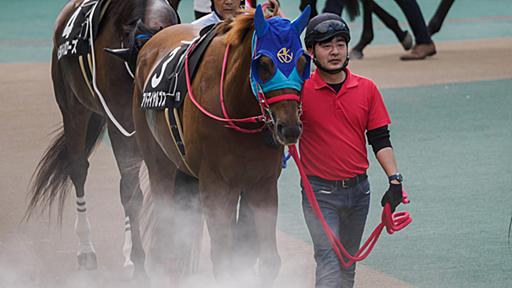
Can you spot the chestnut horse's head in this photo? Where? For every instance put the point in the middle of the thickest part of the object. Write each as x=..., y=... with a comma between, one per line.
x=279, y=67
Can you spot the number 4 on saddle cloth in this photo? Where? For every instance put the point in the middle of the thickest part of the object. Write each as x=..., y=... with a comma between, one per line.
x=166, y=86
x=78, y=35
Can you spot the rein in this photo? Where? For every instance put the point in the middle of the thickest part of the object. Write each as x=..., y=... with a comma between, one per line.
x=265, y=117
x=393, y=222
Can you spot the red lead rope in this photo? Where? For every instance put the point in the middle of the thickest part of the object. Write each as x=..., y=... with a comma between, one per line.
x=393, y=222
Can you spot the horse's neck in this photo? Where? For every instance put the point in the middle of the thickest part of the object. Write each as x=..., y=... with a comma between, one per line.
x=237, y=90
x=158, y=14
x=146, y=10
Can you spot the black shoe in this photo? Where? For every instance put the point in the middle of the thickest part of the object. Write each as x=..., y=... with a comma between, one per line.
x=406, y=41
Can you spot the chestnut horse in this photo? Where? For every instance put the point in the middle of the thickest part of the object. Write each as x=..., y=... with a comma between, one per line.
x=85, y=117
x=225, y=162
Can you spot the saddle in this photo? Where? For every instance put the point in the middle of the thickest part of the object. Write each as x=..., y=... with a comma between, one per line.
x=166, y=85
x=75, y=41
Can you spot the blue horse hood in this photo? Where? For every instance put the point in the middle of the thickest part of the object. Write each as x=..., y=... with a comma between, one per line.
x=281, y=43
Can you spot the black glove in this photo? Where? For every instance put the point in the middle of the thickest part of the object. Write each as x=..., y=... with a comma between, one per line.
x=393, y=196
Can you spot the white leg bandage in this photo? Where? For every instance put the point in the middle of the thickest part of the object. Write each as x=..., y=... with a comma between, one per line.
x=127, y=247
x=83, y=227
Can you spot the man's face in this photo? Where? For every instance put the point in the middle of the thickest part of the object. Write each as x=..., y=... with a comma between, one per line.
x=227, y=8
x=331, y=54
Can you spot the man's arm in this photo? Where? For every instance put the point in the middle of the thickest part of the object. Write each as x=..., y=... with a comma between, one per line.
x=380, y=141
x=381, y=144
x=387, y=161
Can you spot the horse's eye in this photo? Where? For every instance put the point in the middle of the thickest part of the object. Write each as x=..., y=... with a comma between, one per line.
x=265, y=68
x=301, y=64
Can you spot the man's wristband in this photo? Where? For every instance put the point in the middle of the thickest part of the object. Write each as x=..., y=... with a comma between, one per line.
x=397, y=176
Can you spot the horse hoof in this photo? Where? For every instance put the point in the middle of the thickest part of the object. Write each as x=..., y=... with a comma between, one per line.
x=87, y=261
x=356, y=54
x=140, y=277
x=128, y=269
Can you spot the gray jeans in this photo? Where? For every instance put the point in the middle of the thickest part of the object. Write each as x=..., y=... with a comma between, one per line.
x=345, y=211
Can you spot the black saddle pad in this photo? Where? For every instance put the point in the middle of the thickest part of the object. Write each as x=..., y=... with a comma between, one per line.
x=166, y=86
x=76, y=34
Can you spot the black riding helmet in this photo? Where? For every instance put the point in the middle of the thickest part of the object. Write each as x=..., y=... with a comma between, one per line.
x=325, y=26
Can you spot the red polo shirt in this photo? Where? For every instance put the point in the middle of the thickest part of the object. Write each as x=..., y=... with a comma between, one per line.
x=333, y=142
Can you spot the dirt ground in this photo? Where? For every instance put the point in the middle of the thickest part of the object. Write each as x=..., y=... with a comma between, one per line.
x=40, y=254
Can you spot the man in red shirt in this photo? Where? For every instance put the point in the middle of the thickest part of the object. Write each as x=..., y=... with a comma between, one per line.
x=339, y=108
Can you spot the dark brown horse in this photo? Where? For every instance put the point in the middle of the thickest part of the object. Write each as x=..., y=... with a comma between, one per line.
x=85, y=117
x=226, y=163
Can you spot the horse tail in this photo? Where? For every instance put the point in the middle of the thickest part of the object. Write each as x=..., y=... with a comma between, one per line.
x=50, y=181
x=352, y=8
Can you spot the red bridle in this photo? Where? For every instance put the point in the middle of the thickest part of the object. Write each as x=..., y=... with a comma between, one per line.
x=265, y=117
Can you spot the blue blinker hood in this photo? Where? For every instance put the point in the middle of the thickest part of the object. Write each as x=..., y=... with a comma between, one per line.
x=279, y=40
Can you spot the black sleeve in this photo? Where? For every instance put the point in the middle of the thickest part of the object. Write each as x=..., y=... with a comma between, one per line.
x=379, y=138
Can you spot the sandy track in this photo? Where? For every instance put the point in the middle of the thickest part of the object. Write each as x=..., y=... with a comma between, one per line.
x=37, y=253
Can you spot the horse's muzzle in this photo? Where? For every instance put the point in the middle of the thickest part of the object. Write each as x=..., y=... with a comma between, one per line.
x=288, y=134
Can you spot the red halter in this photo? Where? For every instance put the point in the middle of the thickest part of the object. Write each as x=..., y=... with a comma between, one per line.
x=264, y=103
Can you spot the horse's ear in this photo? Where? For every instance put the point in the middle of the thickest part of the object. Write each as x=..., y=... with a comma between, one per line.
x=260, y=24
x=301, y=22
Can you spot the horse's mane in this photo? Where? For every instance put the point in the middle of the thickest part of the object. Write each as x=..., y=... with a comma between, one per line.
x=242, y=25
x=237, y=28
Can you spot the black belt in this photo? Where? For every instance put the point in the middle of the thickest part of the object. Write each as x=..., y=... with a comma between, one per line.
x=345, y=183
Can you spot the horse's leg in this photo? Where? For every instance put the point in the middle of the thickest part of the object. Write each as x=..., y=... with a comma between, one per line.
x=81, y=129
x=367, y=34
x=245, y=237
x=163, y=255
x=434, y=25
x=129, y=162
x=189, y=220
x=404, y=37
x=262, y=200
x=162, y=250
x=219, y=203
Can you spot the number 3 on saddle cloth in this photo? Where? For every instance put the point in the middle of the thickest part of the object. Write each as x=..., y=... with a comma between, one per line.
x=166, y=86
x=78, y=35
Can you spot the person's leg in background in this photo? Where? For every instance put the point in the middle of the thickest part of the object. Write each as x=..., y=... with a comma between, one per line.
x=370, y=7
x=435, y=23
x=424, y=45
x=312, y=4
x=333, y=6
x=367, y=34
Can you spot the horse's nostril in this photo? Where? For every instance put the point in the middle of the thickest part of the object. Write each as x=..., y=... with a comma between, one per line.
x=279, y=127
